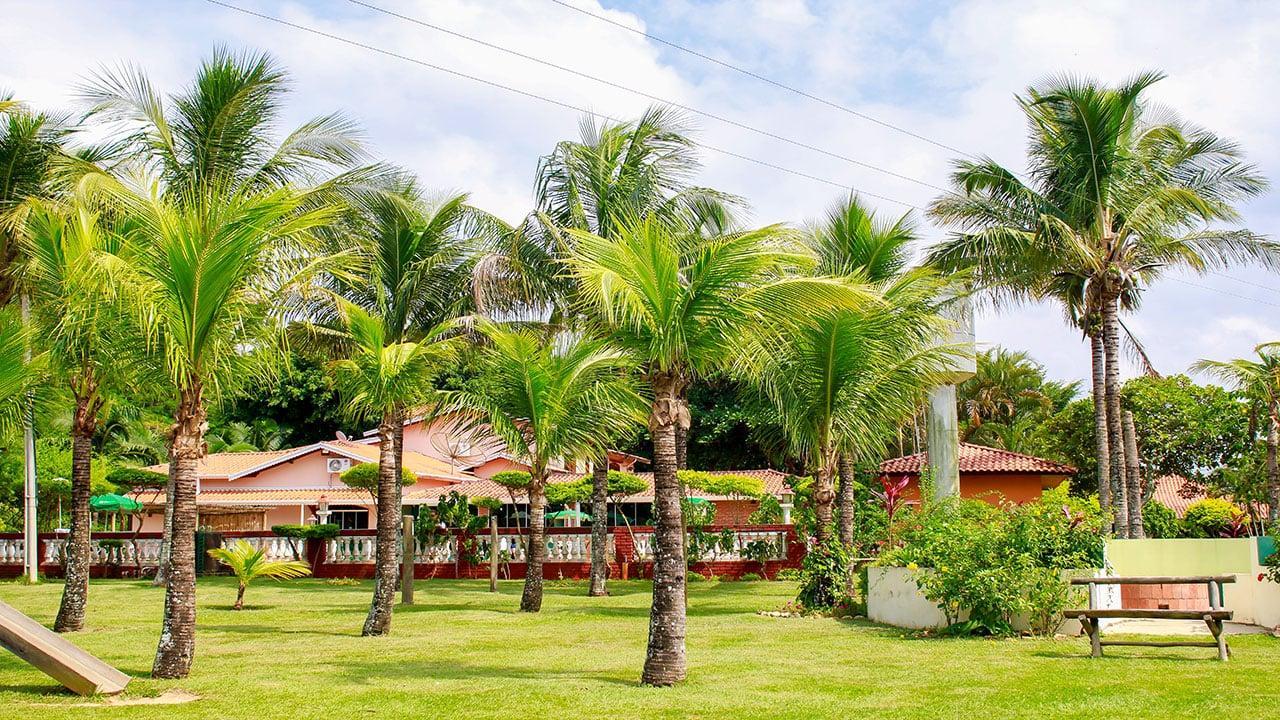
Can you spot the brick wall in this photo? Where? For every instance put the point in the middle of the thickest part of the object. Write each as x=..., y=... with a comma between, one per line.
x=1169, y=597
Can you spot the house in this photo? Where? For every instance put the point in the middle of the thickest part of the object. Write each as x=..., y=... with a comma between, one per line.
x=255, y=490
x=987, y=473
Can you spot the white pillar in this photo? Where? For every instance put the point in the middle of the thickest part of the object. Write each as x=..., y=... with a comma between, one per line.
x=944, y=441
x=30, y=496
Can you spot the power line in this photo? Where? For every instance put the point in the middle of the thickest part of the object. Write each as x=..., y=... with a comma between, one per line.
x=1224, y=292
x=543, y=98
x=1242, y=281
x=650, y=96
x=763, y=78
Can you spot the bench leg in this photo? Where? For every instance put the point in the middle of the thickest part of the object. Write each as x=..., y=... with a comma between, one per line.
x=1215, y=627
x=1095, y=639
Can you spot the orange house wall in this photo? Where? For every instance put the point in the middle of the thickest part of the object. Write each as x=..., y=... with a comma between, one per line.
x=994, y=487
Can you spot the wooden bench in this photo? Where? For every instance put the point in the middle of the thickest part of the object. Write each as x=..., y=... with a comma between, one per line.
x=1214, y=616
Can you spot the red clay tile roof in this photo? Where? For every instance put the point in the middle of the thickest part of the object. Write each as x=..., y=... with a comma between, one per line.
x=1177, y=493
x=238, y=464
x=981, y=459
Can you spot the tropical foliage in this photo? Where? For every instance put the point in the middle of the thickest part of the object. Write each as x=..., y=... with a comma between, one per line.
x=248, y=563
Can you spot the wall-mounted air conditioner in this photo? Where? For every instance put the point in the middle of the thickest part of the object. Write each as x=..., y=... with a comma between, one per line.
x=339, y=465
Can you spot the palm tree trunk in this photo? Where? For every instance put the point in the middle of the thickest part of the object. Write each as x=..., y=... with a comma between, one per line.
x=386, y=570
x=1273, y=467
x=1133, y=477
x=682, y=448
x=846, y=501
x=1115, y=435
x=536, y=555
x=239, y=598
x=1101, y=445
x=599, y=527
x=398, y=448
x=166, y=532
x=664, y=662
x=177, y=646
x=75, y=592
x=824, y=495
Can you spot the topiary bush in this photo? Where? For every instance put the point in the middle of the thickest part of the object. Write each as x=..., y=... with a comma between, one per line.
x=365, y=477
x=1208, y=518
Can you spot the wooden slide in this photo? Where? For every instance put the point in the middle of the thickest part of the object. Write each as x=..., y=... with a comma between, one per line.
x=56, y=656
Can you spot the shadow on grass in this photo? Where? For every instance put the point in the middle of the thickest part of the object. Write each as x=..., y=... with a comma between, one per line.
x=270, y=630
x=359, y=672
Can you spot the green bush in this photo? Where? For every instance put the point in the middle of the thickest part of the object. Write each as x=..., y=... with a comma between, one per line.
x=727, y=485
x=1208, y=518
x=787, y=575
x=750, y=577
x=133, y=478
x=822, y=575
x=696, y=577
x=365, y=477
x=999, y=562
x=1159, y=521
x=512, y=479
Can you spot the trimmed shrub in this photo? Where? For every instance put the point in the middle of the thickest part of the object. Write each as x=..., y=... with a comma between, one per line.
x=365, y=477
x=822, y=575
x=1208, y=518
x=133, y=478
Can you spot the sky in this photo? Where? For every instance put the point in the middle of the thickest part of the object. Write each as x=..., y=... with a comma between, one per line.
x=946, y=72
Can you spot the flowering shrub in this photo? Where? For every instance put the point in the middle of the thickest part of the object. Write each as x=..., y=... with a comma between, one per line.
x=822, y=575
x=1209, y=518
x=1000, y=561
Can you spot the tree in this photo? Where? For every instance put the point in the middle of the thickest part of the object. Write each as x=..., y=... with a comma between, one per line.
x=217, y=138
x=382, y=380
x=842, y=380
x=248, y=563
x=548, y=397
x=678, y=302
x=209, y=272
x=1259, y=380
x=1119, y=195
x=67, y=272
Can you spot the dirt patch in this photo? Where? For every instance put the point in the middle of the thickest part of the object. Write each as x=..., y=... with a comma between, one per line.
x=168, y=697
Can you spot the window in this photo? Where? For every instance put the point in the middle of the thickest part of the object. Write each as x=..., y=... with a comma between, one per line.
x=349, y=517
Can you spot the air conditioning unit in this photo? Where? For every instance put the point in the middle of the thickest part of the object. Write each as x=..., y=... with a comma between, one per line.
x=339, y=465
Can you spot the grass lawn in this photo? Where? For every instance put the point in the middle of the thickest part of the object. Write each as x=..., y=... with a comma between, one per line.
x=295, y=652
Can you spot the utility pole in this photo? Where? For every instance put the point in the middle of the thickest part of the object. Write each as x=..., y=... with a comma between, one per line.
x=30, y=538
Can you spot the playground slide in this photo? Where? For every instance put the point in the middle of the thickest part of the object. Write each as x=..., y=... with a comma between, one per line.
x=54, y=655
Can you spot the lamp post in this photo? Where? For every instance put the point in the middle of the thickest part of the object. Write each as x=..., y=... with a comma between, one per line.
x=786, y=501
x=322, y=512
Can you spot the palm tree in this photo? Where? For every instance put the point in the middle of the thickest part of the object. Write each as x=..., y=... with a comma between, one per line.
x=1118, y=194
x=383, y=380
x=844, y=379
x=1005, y=383
x=69, y=250
x=210, y=272
x=678, y=301
x=248, y=563
x=17, y=374
x=850, y=241
x=545, y=397
x=219, y=136
x=1260, y=380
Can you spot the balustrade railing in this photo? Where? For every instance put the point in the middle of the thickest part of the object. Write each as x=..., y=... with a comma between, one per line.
x=716, y=552
x=12, y=551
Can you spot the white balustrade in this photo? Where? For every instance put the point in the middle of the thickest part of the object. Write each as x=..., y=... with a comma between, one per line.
x=147, y=553
x=355, y=549
x=777, y=540
x=278, y=548
x=11, y=551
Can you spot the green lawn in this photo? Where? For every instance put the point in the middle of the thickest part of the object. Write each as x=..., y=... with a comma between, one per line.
x=295, y=653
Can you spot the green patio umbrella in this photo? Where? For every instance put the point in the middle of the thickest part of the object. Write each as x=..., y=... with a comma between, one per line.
x=113, y=503
x=568, y=515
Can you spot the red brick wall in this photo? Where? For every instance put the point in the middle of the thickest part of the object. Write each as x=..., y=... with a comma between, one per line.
x=1170, y=597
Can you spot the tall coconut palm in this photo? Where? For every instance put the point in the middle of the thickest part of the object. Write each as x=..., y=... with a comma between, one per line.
x=383, y=380
x=1004, y=383
x=678, y=301
x=17, y=374
x=843, y=379
x=219, y=135
x=1118, y=194
x=211, y=271
x=1260, y=380
x=549, y=396
x=69, y=249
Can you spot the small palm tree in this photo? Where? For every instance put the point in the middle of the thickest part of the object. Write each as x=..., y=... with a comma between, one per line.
x=248, y=563
x=679, y=301
x=383, y=380
x=549, y=397
x=1260, y=381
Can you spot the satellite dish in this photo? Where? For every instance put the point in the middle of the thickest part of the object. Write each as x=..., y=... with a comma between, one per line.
x=341, y=435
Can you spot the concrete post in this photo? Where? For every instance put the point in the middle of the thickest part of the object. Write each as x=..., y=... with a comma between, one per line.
x=493, y=553
x=407, y=560
x=943, y=437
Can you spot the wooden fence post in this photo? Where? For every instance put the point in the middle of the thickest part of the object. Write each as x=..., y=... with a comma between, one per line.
x=493, y=553
x=406, y=566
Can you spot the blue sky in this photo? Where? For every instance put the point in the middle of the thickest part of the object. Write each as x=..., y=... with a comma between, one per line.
x=947, y=71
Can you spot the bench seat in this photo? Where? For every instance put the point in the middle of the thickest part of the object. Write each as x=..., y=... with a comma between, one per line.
x=1149, y=614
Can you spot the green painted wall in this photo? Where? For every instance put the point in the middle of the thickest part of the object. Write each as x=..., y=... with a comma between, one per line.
x=1183, y=556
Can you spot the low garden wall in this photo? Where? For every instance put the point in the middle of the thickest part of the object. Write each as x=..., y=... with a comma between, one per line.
x=352, y=554
x=893, y=598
